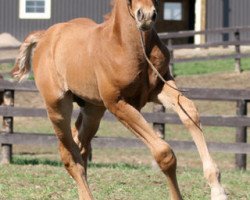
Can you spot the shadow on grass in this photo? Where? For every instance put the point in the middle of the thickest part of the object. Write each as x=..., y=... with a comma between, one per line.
x=35, y=161
x=38, y=161
x=117, y=166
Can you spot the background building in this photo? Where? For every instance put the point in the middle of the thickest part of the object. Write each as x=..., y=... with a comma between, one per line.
x=19, y=17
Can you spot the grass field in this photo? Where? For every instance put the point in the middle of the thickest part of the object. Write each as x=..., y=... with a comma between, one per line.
x=126, y=174
x=42, y=179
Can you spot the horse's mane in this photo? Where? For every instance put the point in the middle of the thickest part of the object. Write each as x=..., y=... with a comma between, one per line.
x=108, y=15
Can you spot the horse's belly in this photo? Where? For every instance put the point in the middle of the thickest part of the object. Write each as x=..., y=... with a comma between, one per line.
x=83, y=84
x=77, y=69
x=89, y=94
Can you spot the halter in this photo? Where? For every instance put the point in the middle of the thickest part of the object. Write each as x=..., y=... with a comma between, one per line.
x=146, y=57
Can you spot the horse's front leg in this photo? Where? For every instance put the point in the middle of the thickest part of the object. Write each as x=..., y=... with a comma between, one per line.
x=161, y=151
x=171, y=97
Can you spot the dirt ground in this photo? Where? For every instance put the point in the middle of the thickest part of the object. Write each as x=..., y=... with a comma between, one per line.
x=219, y=80
x=191, y=53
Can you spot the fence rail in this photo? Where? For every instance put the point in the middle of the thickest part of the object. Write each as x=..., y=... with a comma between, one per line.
x=8, y=137
x=181, y=34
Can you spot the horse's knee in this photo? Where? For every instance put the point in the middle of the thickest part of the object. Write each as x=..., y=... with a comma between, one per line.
x=189, y=114
x=165, y=157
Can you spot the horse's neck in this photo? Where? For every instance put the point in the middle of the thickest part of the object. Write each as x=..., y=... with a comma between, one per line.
x=124, y=26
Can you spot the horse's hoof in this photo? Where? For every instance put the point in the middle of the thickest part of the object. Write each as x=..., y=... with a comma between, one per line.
x=218, y=193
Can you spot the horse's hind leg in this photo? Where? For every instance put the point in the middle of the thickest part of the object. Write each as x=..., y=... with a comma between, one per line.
x=187, y=112
x=59, y=112
x=161, y=151
x=86, y=127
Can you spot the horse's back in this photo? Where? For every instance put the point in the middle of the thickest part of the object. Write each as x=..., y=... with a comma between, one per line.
x=83, y=21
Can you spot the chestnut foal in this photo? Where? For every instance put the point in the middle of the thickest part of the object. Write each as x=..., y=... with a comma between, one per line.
x=103, y=66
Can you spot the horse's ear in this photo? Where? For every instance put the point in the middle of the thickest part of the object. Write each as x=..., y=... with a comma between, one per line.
x=129, y=2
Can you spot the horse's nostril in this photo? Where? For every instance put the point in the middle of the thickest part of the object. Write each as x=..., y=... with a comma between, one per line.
x=154, y=15
x=140, y=15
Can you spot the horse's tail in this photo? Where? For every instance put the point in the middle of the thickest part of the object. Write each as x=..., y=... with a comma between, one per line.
x=22, y=65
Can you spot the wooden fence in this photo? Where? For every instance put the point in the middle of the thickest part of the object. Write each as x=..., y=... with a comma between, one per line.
x=236, y=42
x=159, y=118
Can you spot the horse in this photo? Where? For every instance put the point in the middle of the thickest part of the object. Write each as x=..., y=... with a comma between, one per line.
x=118, y=65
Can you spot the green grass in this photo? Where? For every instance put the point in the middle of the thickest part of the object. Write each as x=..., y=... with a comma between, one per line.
x=47, y=180
x=5, y=68
x=206, y=67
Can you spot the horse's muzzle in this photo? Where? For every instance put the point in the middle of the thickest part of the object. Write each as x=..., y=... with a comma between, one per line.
x=145, y=18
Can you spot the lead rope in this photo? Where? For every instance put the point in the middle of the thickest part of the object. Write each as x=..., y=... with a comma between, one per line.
x=147, y=59
x=149, y=62
x=152, y=65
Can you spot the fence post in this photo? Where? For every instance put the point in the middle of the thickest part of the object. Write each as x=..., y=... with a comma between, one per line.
x=237, y=50
x=158, y=127
x=171, y=51
x=241, y=135
x=8, y=100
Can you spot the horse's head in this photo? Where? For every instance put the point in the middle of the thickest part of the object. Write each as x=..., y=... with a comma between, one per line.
x=144, y=12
